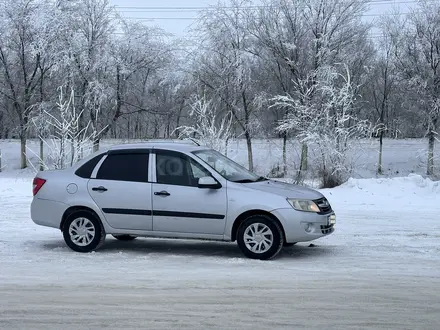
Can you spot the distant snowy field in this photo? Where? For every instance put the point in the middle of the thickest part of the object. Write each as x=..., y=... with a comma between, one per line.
x=400, y=157
x=379, y=270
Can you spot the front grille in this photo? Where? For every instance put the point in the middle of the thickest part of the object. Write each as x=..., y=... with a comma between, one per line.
x=323, y=205
x=326, y=229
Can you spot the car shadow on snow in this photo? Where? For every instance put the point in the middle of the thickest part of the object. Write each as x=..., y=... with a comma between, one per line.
x=200, y=248
x=172, y=247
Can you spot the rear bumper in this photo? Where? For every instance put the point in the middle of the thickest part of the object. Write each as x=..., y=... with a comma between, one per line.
x=47, y=213
x=304, y=226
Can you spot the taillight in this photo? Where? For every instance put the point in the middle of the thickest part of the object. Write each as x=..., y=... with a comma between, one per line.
x=37, y=184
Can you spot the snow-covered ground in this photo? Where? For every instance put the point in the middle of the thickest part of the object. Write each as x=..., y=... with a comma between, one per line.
x=379, y=270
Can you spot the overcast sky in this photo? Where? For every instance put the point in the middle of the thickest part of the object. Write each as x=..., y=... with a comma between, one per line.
x=173, y=20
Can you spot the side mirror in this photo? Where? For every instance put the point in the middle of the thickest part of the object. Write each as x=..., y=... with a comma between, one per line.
x=209, y=182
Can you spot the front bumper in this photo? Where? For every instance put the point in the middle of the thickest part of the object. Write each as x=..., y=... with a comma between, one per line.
x=305, y=226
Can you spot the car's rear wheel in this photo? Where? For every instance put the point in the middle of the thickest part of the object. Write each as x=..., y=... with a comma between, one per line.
x=124, y=237
x=260, y=237
x=83, y=232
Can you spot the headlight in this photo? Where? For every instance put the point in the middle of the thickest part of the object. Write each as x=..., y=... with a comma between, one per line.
x=304, y=205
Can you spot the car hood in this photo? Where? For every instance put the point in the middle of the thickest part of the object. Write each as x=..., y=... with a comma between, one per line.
x=285, y=189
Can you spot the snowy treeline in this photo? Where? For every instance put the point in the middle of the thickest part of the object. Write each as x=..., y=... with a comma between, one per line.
x=311, y=70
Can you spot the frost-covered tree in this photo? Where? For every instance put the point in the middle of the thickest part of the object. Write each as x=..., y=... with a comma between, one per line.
x=41, y=125
x=143, y=80
x=417, y=56
x=295, y=39
x=85, y=36
x=382, y=90
x=226, y=68
x=60, y=130
x=330, y=125
x=207, y=128
x=23, y=31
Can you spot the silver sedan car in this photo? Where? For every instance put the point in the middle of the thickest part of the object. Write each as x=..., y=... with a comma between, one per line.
x=176, y=190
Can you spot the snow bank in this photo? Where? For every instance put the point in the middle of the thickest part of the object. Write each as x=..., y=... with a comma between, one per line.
x=398, y=194
x=412, y=183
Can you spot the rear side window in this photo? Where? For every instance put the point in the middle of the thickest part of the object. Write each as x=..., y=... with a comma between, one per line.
x=125, y=167
x=86, y=170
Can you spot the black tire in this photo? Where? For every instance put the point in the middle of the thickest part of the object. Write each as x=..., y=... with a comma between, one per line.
x=99, y=234
x=124, y=237
x=289, y=244
x=278, y=238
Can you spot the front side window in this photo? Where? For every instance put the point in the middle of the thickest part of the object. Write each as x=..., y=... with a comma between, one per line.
x=125, y=167
x=175, y=168
x=227, y=168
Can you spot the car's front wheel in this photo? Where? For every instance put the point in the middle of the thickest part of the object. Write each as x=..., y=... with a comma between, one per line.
x=83, y=232
x=124, y=237
x=260, y=237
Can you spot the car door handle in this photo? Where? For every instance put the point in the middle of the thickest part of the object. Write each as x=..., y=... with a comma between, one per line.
x=101, y=188
x=162, y=193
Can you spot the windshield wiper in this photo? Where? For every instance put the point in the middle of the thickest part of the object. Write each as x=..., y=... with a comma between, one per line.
x=243, y=181
x=251, y=181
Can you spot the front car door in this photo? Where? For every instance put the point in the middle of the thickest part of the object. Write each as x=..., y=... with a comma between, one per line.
x=120, y=187
x=178, y=204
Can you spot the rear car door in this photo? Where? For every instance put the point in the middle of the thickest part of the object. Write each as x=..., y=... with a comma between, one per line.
x=120, y=187
x=178, y=204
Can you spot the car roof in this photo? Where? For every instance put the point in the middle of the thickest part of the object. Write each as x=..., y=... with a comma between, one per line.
x=179, y=145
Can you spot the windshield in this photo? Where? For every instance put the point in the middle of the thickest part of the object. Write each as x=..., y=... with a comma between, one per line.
x=227, y=168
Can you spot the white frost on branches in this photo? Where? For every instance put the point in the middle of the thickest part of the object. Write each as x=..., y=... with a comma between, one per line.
x=327, y=121
x=66, y=142
x=207, y=129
